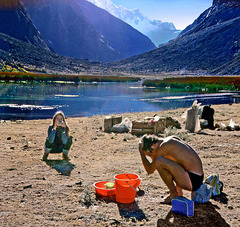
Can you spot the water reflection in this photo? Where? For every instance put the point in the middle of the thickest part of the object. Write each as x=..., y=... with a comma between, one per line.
x=18, y=101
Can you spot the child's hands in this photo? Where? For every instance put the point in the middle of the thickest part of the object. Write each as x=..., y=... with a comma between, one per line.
x=56, y=122
x=63, y=124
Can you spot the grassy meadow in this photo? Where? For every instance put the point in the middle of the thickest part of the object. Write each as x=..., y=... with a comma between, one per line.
x=19, y=77
x=204, y=83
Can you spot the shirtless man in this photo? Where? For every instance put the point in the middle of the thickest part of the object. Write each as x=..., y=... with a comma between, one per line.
x=177, y=163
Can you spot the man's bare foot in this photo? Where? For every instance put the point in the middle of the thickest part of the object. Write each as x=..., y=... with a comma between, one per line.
x=179, y=191
x=167, y=199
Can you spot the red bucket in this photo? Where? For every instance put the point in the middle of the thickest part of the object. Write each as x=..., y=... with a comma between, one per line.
x=126, y=186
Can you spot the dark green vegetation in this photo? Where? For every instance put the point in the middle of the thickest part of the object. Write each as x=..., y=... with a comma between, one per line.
x=210, y=83
x=53, y=78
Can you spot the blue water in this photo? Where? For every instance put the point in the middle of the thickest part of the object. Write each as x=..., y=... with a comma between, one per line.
x=42, y=101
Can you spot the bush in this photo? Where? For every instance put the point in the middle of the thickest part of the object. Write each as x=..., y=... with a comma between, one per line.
x=173, y=131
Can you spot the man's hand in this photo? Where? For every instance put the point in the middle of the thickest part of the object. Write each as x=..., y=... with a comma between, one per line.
x=149, y=167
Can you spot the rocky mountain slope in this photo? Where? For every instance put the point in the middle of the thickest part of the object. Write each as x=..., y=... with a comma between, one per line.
x=22, y=46
x=21, y=55
x=122, y=37
x=230, y=68
x=15, y=22
x=79, y=29
x=159, y=32
x=67, y=31
x=211, y=43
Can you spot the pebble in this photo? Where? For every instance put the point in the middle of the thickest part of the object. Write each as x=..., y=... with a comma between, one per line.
x=28, y=186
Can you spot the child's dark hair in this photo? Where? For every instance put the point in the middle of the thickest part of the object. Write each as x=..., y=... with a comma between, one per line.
x=148, y=141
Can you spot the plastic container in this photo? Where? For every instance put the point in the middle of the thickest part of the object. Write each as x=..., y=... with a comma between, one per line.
x=100, y=188
x=126, y=186
x=183, y=206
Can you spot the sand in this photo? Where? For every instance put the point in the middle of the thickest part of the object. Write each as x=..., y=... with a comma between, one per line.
x=61, y=193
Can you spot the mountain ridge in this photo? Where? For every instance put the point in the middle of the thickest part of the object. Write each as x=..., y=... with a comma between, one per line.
x=233, y=2
x=202, y=47
x=121, y=36
x=71, y=32
x=15, y=21
x=159, y=32
x=211, y=45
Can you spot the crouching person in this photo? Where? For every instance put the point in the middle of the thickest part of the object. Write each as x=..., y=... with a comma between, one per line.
x=177, y=163
x=58, y=139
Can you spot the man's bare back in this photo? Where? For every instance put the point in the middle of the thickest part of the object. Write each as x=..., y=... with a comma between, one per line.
x=177, y=163
x=178, y=151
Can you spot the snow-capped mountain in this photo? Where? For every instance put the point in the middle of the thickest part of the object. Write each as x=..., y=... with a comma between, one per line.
x=159, y=32
x=210, y=45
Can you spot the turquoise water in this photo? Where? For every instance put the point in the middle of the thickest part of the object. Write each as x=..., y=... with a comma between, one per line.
x=18, y=101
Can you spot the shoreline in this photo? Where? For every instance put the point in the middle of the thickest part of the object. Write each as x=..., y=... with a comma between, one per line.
x=97, y=114
x=34, y=192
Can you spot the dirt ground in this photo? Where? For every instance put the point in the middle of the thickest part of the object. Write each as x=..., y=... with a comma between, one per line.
x=61, y=193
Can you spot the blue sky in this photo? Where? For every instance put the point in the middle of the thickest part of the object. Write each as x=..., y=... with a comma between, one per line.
x=180, y=12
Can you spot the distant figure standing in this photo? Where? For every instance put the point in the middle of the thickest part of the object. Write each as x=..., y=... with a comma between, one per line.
x=177, y=163
x=58, y=139
x=208, y=114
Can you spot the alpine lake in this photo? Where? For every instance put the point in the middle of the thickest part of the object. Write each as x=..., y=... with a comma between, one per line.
x=19, y=101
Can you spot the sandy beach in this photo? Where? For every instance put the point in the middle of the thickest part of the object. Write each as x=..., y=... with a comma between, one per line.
x=61, y=193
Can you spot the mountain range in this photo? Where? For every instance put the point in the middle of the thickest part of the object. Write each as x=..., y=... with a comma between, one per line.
x=79, y=29
x=210, y=45
x=159, y=32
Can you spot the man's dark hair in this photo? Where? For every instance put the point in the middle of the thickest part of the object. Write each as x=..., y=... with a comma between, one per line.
x=148, y=141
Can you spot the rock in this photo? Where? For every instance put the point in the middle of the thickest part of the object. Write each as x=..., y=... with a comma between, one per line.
x=192, y=121
x=28, y=186
x=124, y=126
x=235, y=2
x=172, y=122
